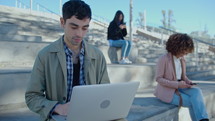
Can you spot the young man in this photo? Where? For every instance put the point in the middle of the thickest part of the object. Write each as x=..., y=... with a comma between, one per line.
x=65, y=63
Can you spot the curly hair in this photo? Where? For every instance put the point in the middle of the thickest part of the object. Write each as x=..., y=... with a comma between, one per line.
x=179, y=43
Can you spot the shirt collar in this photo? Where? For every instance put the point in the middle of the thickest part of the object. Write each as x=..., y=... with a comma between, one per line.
x=175, y=58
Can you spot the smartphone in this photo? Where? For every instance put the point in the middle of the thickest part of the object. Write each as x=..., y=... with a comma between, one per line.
x=194, y=84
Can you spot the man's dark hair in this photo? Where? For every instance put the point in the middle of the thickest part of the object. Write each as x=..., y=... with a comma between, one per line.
x=76, y=8
x=179, y=43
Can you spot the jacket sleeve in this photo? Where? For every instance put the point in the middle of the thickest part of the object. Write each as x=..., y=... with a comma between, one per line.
x=35, y=94
x=160, y=74
x=104, y=78
x=124, y=32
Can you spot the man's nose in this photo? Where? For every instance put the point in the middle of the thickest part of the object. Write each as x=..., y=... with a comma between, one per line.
x=79, y=32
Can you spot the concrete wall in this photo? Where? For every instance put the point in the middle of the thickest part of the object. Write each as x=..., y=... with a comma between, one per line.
x=19, y=53
x=12, y=86
x=13, y=82
x=142, y=73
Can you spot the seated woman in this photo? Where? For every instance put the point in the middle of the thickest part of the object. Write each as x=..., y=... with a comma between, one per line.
x=116, y=33
x=173, y=86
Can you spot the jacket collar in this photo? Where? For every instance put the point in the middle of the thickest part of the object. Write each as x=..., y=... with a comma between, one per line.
x=183, y=66
x=171, y=61
x=87, y=50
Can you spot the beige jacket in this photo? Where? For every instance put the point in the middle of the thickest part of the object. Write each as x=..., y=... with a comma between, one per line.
x=48, y=82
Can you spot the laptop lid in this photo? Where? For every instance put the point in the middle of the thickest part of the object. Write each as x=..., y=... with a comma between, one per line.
x=102, y=102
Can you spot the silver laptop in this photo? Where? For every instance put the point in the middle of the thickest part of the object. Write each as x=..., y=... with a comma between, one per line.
x=102, y=102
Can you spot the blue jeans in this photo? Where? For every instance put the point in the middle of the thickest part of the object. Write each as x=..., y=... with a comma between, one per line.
x=125, y=45
x=193, y=99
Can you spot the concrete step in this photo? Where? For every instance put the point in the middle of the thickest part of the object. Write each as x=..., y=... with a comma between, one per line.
x=21, y=38
x=152, y=60
x=199, y=75
x=20, y=114
x=150, y=53
x=8, y=28
x=13, y=82
x=17, y=22
x=132, y=57
x=27, y=14
x=209, y=78
x=200, y=67
x=19, y=52
x=145, y=107
x=144, y=73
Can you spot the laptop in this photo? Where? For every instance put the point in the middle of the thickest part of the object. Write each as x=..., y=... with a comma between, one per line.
x=101, y=102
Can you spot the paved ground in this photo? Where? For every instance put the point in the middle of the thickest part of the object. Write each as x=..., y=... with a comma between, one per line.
x=22, y=114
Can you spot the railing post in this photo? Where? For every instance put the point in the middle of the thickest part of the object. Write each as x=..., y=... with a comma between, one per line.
x=196, y=54
x=131, y=20
x=16, y=4
x=38, y=7
x=20, y=5
x=31, y=1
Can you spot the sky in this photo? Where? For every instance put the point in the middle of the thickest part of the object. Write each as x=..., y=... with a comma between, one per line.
x=189, y=15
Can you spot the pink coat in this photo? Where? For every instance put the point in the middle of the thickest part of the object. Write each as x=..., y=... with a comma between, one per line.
x=166, y=77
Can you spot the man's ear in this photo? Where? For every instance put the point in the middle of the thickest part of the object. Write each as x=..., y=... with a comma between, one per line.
x=62, y=22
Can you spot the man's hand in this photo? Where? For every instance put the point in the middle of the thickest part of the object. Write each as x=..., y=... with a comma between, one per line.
x=183, y=84
x=62, y=109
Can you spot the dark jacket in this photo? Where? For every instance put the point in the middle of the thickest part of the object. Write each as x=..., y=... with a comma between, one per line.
x=115, y=33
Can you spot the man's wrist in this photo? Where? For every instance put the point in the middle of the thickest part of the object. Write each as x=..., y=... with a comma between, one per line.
x=53, y=110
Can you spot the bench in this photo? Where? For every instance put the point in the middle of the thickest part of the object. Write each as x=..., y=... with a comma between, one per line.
x=152, y=109
x=145, y=106
x=114, y=54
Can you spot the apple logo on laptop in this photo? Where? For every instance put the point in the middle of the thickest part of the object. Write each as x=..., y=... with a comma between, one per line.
x=105, y=104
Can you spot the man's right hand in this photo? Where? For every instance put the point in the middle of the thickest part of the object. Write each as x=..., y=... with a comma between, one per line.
x=183, y=84
x=62, y=109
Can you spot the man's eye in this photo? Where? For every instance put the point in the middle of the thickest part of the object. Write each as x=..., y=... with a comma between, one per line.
x=85, y=28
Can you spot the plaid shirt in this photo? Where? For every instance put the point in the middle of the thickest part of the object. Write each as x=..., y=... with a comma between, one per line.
x=69, y=66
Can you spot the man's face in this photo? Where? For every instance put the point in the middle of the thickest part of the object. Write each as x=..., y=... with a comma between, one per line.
x=74, y=30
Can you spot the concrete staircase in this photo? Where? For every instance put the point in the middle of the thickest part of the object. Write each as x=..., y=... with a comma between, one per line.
x=28, y=26
x=23, y=34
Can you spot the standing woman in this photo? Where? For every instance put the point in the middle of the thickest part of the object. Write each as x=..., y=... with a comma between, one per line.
x=173, y=85
x=116, y=33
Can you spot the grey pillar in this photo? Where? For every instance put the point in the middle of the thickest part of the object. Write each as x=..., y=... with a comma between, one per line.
x=31, y=7
x=130, y=22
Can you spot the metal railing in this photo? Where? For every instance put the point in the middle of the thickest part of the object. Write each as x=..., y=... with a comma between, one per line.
x=42, y=8
x=20, y=4
x=39, y=7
